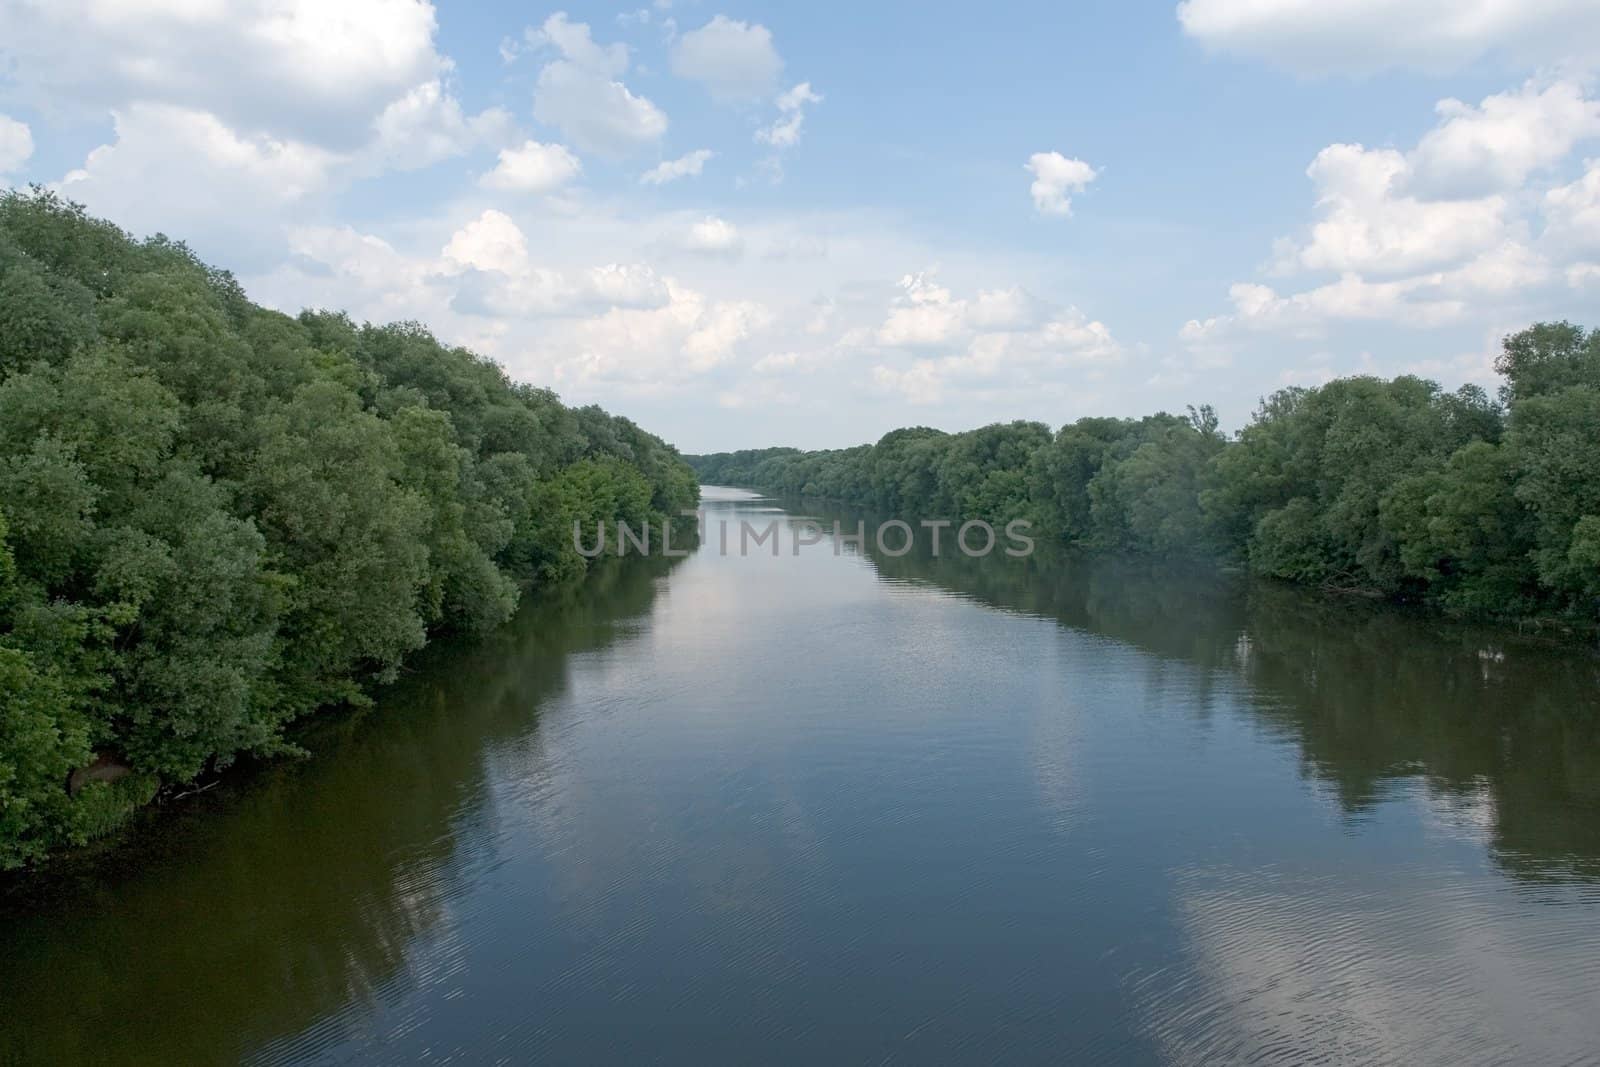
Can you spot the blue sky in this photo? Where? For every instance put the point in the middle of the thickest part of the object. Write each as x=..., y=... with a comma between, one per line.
x=752, y=223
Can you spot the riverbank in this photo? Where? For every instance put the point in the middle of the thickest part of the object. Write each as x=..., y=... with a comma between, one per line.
x=1565, y=631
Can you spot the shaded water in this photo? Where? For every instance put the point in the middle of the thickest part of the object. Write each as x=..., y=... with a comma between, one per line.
x=845, y=807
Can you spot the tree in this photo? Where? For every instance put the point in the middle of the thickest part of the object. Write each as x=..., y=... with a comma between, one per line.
x=1552, y=439
x=219, y=518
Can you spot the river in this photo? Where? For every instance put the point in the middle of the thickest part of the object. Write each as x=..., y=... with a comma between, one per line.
x=838, y=806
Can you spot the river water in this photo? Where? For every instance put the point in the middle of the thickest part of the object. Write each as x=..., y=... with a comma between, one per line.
x=846, y=807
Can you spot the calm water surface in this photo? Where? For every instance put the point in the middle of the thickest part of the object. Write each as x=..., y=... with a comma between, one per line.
x=852, y=808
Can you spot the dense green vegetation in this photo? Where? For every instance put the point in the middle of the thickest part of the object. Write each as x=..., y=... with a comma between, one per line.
x=1480, y=506
x=215, y=518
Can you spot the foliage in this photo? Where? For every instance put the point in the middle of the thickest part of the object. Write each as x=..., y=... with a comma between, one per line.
x=1397, y=488
x=215, y=518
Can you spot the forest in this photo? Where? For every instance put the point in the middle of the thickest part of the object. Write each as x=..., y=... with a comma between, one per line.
x=1476, y=505
x=216, y=519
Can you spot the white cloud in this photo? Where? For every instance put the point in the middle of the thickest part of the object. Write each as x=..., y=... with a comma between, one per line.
x=1572, y=212
x=522, y=285
x=16, y=144
x=1011, y=367
x=577, y=45
x=785, y=131
x=1583, y=275
x=598, y=114
x=719, y=331
x=920, y=384
x=389, y=285
x=542, y=292
x=778, y=363
x=689, y=336
x=1005, y=309
x=580, y=94
x=1003, y=339
x=483, y=274
x=427, y=125
x=671, y=170
x=1055, y=179
x=183, y=171
x=734, y=60
x=761, y=393
x=233, y=121
x=713, y=236
x=1508, y=269
x=1304, y=314
x=1452, y=197
x=1421, y=300
x=1476, y=364
x=926, y=316
x=492, y=241
x=533, y=168
x=1497, y=145
x=304, y=70
x=626, y=285
x=1365, y=36
x=1367, y=225
x=1438, y=235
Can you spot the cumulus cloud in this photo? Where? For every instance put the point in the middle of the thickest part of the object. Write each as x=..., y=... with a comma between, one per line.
x=483, y=274
x=1435, y=298
x=301, y=70
x=361, y=268
x=784, y=132
x=734, y=60
x=1005, y=309
x=713, y=236
x=16, y=144
x=1009, y=366
x=998, y=339
x=580, y=94
x=234, y=121
x=1497, y=145
x=1305, y=314
x=778, y=363
x=926, y=316
x=719, y=330
x=1572, y=211
x=183, y=170
x=556, y=293
x=1452, y=196
x=522, y=287
x=533, y=168
x=425, y=126
x=1583, y=275
x=1368, y=224
x=686, y=166
x=1317, y=37
x=492, y=241
x=689, y=335
x=760, y=393
x=1055, y=179
x=1444, y=233
x=492, y=274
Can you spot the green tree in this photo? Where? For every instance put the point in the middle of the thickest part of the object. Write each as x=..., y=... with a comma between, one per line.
x=219, y=518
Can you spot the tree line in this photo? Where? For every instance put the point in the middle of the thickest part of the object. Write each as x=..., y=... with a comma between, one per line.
x=1478, y=505
x=216, y=518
